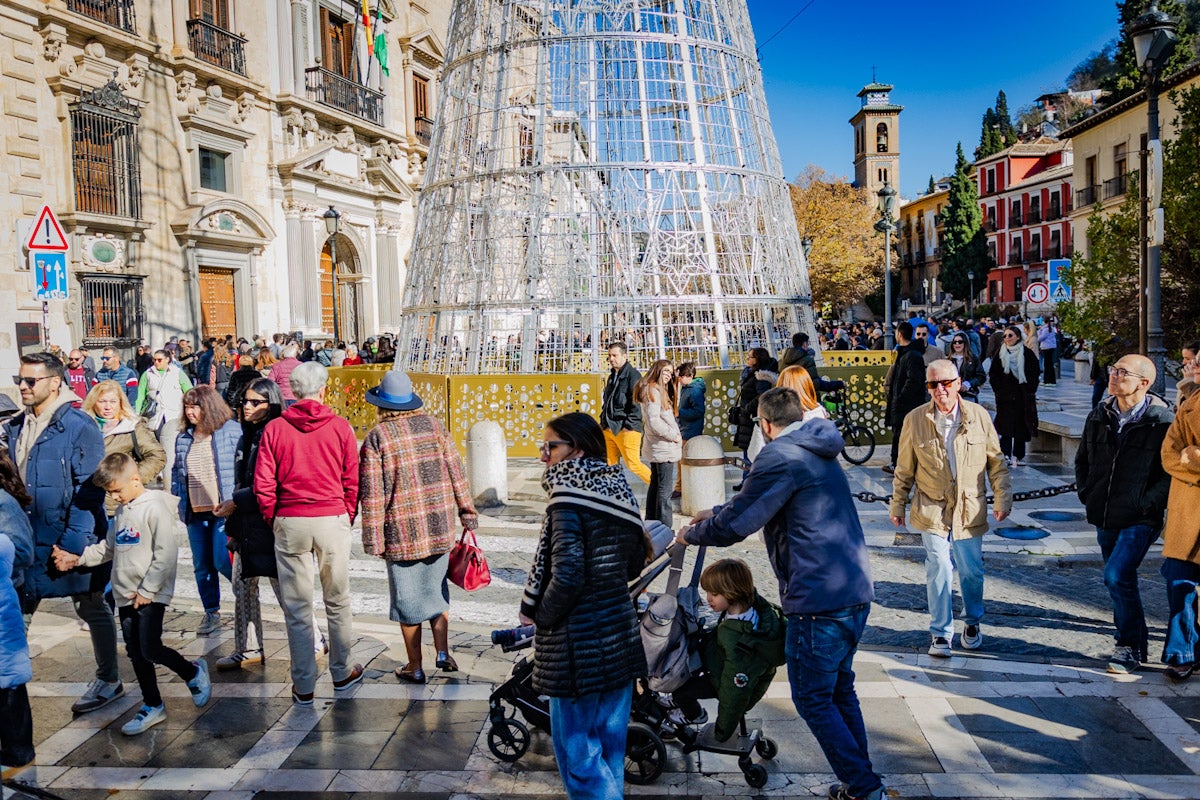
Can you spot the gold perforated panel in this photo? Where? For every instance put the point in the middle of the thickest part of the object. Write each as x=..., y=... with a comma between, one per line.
x=858, y=358
x=347, y=389
x=522, y=404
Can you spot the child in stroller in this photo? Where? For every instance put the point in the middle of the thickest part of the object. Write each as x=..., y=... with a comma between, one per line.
x=739, y=655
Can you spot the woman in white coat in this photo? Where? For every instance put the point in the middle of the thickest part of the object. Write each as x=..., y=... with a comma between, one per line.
x=662, y=443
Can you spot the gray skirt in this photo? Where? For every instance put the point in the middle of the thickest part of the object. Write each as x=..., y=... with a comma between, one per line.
x=420, y=589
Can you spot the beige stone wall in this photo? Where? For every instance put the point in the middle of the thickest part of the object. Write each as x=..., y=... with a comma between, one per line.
x=290, y=157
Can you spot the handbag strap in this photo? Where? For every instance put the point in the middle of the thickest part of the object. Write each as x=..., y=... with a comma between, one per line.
x=468, y=537
x=675, y=571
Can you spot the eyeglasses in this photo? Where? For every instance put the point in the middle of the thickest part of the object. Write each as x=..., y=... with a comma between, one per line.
x=547, y=447
x=960, y=342
x=256, y=403
x=945, y=383
x=21, y=380
x=1120, y=373
x=107, y=358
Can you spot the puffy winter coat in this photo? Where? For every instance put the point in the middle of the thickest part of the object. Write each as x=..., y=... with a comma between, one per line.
x=1120, y=476
x=754, y=383
x=249, y=534
x=224, y=443
x=906, y=382
x=691, y=408
x=740, y=659
x=132, y=436
x=65, y=503
x=662, y=443
x=587, y=630
x=15, y=667
x=14, y=522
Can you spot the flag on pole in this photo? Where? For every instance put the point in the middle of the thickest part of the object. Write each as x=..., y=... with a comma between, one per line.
x=381, y=53
x=366, y=18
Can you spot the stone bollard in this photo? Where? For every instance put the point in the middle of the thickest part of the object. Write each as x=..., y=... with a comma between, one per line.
x=703, y=482
x=487, y=464
x=1083, y=367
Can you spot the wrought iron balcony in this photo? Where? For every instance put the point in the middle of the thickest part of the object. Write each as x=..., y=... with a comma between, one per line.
x=1014, y=260
x=1086, y=196
x=217, y=46
x=342, y=93
x=424, y=130
x=1053, y=252
x=1032, y=256
x=1114, y=187
x=1054, y=213
x=117, y=13
x=1015, y=220
x=1034, y=216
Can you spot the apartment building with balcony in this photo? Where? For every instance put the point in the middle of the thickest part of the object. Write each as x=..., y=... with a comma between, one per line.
x=1025, y=198
x=190, y=148
x=919, y=237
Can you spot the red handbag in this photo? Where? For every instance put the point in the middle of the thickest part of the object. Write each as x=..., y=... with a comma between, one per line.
x=468, y=568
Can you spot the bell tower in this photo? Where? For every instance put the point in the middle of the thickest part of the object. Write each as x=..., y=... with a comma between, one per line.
x=876, y=139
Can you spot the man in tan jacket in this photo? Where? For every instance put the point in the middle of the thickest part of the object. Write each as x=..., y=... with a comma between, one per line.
x=947, y=448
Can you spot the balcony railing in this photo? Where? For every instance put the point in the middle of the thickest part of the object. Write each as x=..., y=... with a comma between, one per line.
x=1014, y=260
x=1115, y=187
x=217, y=46
x=1053, y=252
x=1032, y=256
x=1053, y=213
x=117, y=13
x=919, y=257
x=1015, y=220
x=989, y=225
x=1034, y=216
x=424, y=129
x=344, y=94
x=1086, y=196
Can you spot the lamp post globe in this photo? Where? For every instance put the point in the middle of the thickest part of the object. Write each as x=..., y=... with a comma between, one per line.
x=887, y=224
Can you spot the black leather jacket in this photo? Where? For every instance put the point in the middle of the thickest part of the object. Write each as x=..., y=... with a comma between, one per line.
x=619, y=411
x=1121, y=477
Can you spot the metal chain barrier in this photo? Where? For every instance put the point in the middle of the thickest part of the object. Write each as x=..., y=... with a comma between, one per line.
x=1035, y=494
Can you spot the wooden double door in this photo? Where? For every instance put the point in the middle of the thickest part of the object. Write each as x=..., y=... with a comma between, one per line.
x=218, y=302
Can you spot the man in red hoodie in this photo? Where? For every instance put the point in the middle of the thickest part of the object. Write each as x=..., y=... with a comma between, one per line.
x=306, y=482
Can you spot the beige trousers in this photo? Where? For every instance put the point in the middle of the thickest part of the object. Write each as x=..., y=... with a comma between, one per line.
x=297, y=541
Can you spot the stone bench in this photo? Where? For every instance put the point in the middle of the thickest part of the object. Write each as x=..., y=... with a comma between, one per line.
x=1059, y=431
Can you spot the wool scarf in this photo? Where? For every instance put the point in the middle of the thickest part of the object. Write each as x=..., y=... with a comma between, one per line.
x=585, y=484
x=1012, y=357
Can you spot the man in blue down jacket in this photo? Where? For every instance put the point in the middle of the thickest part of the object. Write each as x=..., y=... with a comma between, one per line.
x=56, y=448
x=798, y=494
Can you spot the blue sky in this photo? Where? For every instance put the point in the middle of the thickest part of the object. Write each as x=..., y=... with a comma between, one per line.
x=947, y=61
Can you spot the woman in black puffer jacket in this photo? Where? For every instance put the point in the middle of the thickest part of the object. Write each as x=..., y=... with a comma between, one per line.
x=588, y=651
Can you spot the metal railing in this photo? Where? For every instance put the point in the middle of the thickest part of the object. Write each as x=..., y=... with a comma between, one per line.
x=1053, y=213
x=342, y=93
x=423, y=126
x=1114, y=187
x=1053, y=252
x=1015, y=260
x=1015, y=220
x=1034, y=217
x=217, y=46
x=1032, y=255
x=117, y=13
x=1086, y=196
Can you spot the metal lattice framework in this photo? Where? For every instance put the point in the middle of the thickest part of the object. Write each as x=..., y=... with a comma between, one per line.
x=601, y=170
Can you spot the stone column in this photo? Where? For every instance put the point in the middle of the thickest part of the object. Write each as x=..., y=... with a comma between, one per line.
x=300, y=43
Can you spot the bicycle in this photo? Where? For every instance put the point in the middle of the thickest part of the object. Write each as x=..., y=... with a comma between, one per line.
x=859, y=441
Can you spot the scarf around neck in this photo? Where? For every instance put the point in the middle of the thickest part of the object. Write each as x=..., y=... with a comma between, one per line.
x=1012, y=357
x=585, y=484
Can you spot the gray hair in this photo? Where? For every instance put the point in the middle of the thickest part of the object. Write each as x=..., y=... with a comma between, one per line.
x=290, y=351
x=308, y=379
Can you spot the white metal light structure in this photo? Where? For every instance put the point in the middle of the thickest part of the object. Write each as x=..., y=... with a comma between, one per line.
x=601, y=170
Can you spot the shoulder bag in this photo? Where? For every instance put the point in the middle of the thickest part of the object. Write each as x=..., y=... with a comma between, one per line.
x=468, y=568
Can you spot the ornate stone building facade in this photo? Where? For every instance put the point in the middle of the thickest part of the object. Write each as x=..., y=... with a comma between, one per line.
x=190, y=148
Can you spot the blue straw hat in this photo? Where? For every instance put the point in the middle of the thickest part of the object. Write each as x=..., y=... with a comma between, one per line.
x=395, y=393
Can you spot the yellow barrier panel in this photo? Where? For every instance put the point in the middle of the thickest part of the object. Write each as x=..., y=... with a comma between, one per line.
x=522, y=404
x=858, y=358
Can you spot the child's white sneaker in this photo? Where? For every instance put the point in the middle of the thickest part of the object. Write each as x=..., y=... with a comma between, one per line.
x=147, y=717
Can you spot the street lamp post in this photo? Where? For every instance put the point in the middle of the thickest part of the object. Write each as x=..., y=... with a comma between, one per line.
x=924, y=291
x=332, y=225
x=1153, y=35
x=970, y=292
x=885, y=225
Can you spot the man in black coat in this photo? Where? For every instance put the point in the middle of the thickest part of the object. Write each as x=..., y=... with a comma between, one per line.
x=620, y=416
x=1124, y=488
x=905, y=384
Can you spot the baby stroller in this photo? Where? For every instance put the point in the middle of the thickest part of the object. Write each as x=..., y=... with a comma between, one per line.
x=645, y=753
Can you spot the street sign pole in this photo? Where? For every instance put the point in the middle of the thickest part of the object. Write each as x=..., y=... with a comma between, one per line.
x=46, y=324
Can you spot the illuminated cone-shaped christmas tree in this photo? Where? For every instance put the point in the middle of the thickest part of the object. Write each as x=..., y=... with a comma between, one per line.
x=601, y=170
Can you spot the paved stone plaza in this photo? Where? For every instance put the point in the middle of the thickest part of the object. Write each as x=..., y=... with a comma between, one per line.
x=1033, y=714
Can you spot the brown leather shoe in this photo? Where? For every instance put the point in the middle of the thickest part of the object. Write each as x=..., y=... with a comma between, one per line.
x=446, y=663
x=353, y=679
x=1180, y=672
x=411, y=676
x=302, y=698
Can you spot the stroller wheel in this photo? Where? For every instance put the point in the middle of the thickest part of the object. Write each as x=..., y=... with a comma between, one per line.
x=756, y=776
x=766, y=748
x=645, y=755
x=508, y=739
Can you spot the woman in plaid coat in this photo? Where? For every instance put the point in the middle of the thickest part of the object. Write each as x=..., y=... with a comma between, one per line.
x=412, y=487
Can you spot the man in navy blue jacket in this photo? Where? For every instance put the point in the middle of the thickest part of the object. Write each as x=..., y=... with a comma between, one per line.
x=798, y=494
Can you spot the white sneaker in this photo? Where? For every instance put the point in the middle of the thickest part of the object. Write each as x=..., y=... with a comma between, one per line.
x=200, y=686
x=972, y=637
x=237, y=660
x=147, y=717
x=940, y=647
x=676, y=717
x=211, y=623
x=99, y=694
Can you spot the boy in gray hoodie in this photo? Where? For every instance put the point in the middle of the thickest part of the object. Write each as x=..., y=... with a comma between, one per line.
x=141, y=544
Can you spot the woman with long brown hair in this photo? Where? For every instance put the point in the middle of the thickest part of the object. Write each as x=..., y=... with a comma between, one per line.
x=202, y=479
x=662, y=442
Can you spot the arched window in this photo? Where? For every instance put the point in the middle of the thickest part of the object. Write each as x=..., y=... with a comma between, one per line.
x=881, y=138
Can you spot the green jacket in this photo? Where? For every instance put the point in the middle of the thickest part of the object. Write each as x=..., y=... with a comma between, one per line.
x=740, y=660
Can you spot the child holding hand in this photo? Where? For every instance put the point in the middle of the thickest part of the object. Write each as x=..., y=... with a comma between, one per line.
x=142, y=546
x=739, y=655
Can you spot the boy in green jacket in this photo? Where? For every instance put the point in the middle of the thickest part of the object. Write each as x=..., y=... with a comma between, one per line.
x=740, y=654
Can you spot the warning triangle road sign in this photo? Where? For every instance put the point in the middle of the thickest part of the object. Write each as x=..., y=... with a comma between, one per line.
x=46, y=233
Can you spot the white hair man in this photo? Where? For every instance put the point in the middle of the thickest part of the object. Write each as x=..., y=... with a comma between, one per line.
x=306, y=482
x=281, y=372
x=947, y=476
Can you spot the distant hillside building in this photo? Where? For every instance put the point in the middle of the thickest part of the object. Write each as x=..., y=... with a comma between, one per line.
x=876, y=139
x=920, y=233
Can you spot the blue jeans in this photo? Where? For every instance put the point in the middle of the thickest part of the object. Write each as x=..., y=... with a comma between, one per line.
x=1183, y=634
x=589, y=742
x=1123, y=550
x=942, y=556
x=820, y=654
x=210, y=557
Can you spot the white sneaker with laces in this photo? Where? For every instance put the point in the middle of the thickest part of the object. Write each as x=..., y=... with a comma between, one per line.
x=677, y=718
x=940, y=647
x=200, y=686
x=99, y=694
x=972, y=637
x=147, y=717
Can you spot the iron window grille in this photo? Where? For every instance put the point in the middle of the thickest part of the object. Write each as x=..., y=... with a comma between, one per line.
x=104, y=153
x=112, y=310
x=117, y=13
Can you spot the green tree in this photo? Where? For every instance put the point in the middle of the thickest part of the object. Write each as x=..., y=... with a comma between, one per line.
x=1126, y=79
x=1008, y=134
x=1093, y=71
x=1181, y=209
x=964, y=244
x=932, y=186
x=989, y=136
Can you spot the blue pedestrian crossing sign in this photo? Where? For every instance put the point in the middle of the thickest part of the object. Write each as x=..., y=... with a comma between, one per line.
x=49, y=275
x=1060, y=291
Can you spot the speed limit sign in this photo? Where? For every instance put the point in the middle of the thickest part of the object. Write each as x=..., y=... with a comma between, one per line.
x=1037, y=292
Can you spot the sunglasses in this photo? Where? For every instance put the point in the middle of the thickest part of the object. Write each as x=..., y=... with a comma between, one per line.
x=30, y=382
x=945, y=384
x=255, y=403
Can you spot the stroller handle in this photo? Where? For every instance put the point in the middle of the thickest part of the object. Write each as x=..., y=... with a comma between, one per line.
x=511, y=639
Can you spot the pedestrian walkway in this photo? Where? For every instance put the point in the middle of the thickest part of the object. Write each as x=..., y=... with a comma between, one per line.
x=968, y=727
